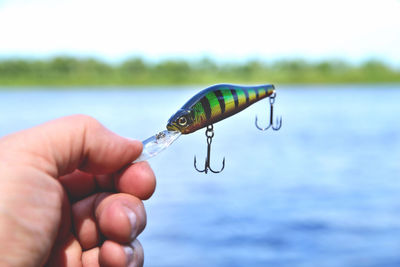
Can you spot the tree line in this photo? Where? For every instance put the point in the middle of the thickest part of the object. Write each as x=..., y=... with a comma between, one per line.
x=70, y=71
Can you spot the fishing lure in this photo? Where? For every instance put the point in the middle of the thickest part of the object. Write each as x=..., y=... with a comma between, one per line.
x=210, y=106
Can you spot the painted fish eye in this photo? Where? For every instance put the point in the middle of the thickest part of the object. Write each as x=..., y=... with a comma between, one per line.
x=182, y=121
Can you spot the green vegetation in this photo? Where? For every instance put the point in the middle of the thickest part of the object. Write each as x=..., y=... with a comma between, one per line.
x=68, y=71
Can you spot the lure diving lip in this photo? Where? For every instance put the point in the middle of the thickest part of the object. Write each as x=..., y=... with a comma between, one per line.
x=157, y=143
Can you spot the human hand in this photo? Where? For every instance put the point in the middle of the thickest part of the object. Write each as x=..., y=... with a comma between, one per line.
x=68, y=196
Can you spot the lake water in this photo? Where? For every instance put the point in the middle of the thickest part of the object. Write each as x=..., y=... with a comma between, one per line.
x=322, y=191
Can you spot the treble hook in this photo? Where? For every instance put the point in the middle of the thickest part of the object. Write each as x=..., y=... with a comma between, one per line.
x=210, y=135
x=271, y=121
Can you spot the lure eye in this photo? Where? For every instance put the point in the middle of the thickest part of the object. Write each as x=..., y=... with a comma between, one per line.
x=182, y=121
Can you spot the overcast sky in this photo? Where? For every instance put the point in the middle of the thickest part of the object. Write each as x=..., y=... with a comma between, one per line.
x=354, y=30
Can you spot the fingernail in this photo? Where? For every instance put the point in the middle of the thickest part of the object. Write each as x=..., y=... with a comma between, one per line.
x=129, y=255
x=134, y=254
x=133, y=140
x=132, y=220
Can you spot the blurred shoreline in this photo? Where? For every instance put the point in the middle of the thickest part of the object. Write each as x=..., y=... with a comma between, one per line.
x=71, y=71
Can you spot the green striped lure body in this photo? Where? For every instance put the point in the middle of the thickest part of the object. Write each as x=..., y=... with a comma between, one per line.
x=214, y=104
x=209, y=106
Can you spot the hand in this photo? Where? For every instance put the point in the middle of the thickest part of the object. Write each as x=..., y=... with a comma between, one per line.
x=68, y=196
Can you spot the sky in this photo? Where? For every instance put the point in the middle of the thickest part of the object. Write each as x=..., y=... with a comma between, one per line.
x=353, y=30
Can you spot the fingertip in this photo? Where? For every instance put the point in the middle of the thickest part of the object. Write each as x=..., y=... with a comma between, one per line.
x=112, y=254
x=90, y=257
x=121, y=217
x=138, y=180
x=114, y=222
x=136, y=142
x=137, y=146
x=105, y=151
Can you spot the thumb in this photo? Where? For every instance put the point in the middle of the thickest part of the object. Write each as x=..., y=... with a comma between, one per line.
x=80, y=142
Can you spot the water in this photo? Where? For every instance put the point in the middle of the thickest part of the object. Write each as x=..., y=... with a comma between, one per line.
x=322, y=191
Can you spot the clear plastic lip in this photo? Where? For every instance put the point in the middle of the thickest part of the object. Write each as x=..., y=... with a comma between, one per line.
x=153, y=145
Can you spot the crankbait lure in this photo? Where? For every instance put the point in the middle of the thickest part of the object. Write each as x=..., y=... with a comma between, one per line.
x=209, y=106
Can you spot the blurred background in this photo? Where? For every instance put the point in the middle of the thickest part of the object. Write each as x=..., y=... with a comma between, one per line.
x=322, y=191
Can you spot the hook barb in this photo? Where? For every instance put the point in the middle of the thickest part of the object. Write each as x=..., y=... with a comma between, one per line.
x=205, y=166
x=223, y=166
x=279, y=123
